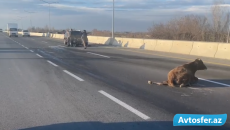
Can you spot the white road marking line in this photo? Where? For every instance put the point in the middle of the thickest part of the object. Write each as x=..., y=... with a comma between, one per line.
x=10, y=50
x=76, y=77
x=194, y=88
x=98, y=54
x=52, y=63
x=38, y=55
x=44, y=42
x=208, y=89
x=54, y=46
x=31, y=51
x=26, y=47
x=227, y=85
x=185, y=95
x=138, y=113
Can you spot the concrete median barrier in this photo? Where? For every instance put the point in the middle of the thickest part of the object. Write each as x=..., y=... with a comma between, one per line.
x=99, y=40
x=207, y=49
x=58, y=36
x=107, y=40
x=136, y=43
x=53, y=36
x=150, y=44
x=61, y=36
x=133, y=43
x=47, y=34
x=37, y=34
x=92, y=39
x=181, y=47
x=223, y=51
x=127, y=42
x=118, y=42
x=163, y=45
x=102, y=40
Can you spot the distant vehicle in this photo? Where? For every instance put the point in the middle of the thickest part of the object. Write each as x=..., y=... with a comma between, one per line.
x=25, y=33
x=0, y=30
x=73, y=38
x=60, y=33
x=12, y=29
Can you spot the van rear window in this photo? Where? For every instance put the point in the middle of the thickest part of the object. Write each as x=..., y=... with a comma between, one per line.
x=76, y=33
x=13, y=29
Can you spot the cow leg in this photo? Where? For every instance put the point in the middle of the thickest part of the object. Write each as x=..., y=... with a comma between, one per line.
x=194, y=80
x=171, y=82
x=184, y=81
x=171, y=78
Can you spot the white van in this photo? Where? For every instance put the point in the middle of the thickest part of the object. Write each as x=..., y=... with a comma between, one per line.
x=12, y=29
x=25, y=33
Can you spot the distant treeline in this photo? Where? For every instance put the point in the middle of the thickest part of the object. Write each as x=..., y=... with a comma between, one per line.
x=45, y=30
x=195, y=27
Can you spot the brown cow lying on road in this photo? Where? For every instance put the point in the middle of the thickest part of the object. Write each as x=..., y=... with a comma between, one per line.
x=183, y=75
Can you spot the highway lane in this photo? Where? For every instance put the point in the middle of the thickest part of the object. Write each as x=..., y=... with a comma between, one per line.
x=124, y=75
x=220, y=71
x=34, y=92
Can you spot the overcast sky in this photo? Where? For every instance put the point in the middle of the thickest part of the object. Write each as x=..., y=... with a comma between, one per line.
x=130, y=15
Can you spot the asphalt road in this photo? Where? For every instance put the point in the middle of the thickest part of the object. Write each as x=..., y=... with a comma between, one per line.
x=45, y=86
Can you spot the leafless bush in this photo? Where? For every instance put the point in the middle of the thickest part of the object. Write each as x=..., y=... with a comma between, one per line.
x=106, y=33
x=220, y=21
x=189, y=27
x=195, y=27
x=44, y=30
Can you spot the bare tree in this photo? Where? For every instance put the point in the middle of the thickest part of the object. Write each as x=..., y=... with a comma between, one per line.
x=195, y=27
x=190, y=27
x=220, y=20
